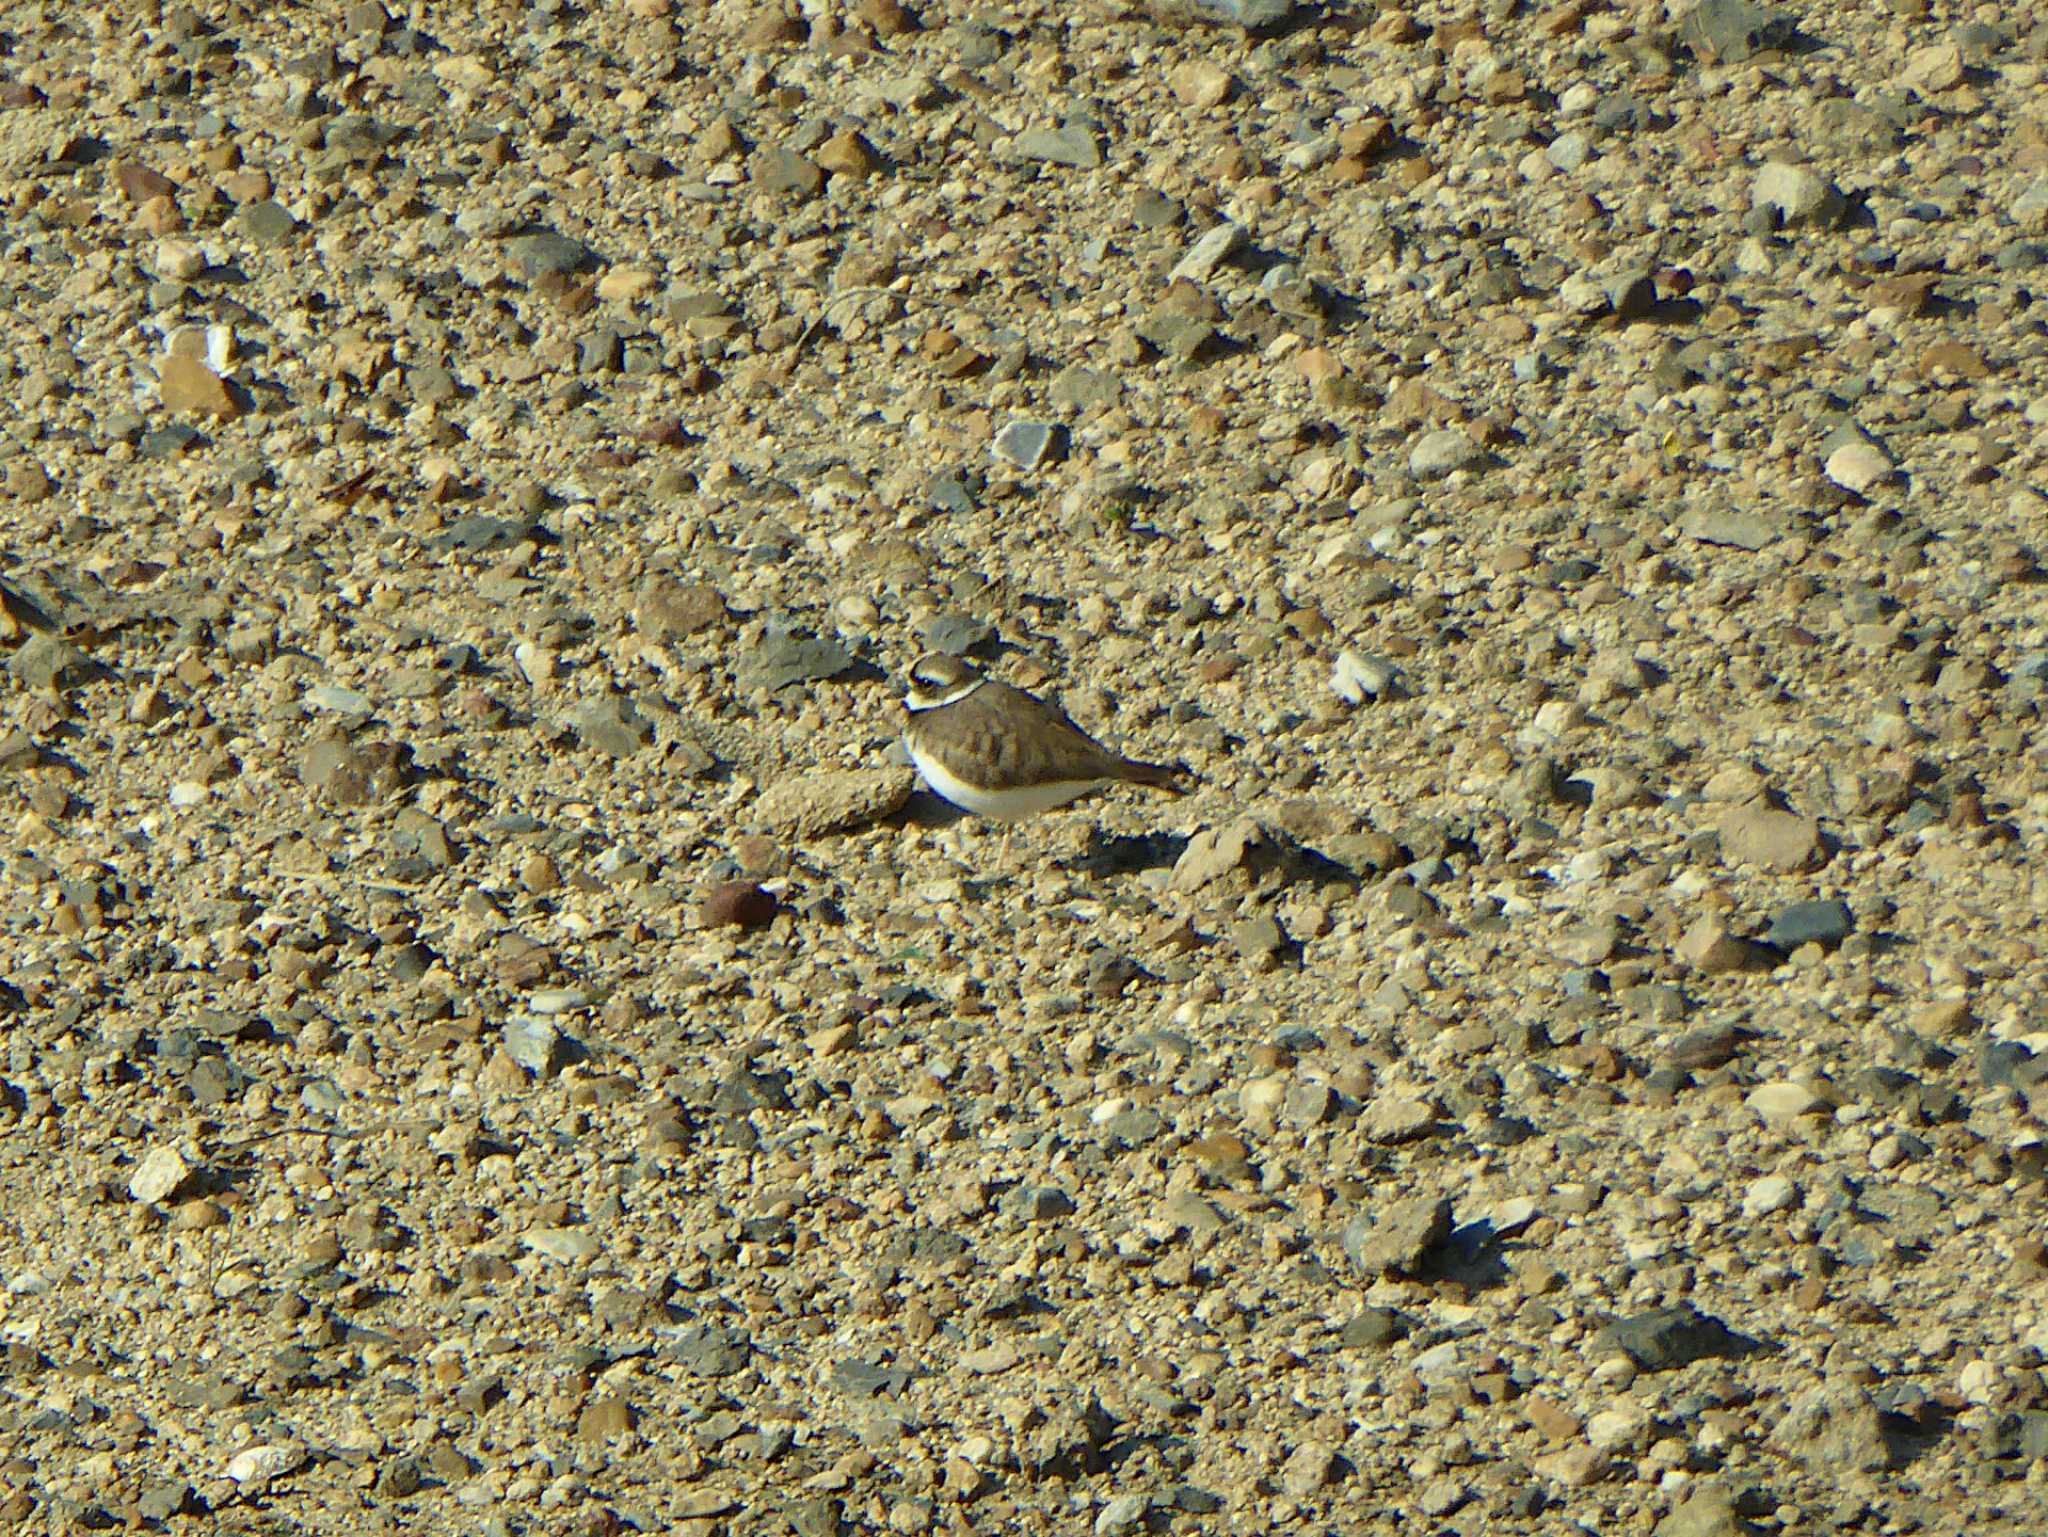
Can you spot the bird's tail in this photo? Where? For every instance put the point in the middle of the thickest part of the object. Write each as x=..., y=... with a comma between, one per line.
x=1172, y=778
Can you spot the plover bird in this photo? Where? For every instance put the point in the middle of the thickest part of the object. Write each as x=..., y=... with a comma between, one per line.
x=1004, y=754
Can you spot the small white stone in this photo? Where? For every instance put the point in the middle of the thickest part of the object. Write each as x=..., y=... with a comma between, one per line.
x=1359, y=678
x=1859, y=466
x=162, y=1170
x=1799, y=195
x=1772, y=1193
x=567, y=1244
x=1614, y=1430
x=260, y=1464
x=1779, y=1104
x=179, y=260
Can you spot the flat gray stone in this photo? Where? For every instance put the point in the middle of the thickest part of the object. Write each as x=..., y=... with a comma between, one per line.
x=784, y=658
x=547, y=251
x=1070, y=146
x=1729, y=31
x=1811, y=923
x=1666, y=1338
x=1025, y=444
x=1210, y=251
x=1725, y=526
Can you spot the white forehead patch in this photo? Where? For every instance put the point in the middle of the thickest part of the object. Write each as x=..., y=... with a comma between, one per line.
x=921, y=697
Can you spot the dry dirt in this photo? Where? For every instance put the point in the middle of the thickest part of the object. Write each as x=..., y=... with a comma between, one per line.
x=490, y=1047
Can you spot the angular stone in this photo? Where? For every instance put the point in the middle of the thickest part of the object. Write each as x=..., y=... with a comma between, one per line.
x=1399, y=1239
x=1796, y=194
x=1825, y=923
x=1729, y=31
x=1781, y=1104
x=778, y=168
x=159, y=1174
x=611, y=725
x=548, y=253
x=1071, y=145
x=1666, y=1338
x=1776, y=840
x=1710, y=947
x=1835, y=1432
x=811, y=805
x=187, y=386
x=1025, y=444
x=783, y=658
x=1210, y=250
x=568, y=1245
x=1443, y=452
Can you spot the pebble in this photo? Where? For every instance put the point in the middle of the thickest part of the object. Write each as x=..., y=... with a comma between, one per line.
x=784, y=658
x=815, y=805
x=1209, y=251
x=1398, y=1239
x=570, y=1245
x=159, y=1175
x=1307, y=1470
x=1824, y=923
x=1781, y=1104
x=1772, y=1193
x=1025, y=444
x=1356, y=678
x=738, y=904
x=1069, y=146
x=1776, y=840
x=1444, y=452
x=1664, y=1339
x=258, y=1465
x=186, y=385
x=1730, y=31
x=1797, y=194
x=534, y=1043
x=1858, y=465
x=1125, y=1513
x=1704, y=1512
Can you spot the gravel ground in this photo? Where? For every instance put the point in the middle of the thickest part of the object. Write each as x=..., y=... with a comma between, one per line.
x=492, y=1041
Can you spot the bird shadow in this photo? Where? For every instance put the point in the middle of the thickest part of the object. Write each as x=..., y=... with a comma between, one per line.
x=1124, y=853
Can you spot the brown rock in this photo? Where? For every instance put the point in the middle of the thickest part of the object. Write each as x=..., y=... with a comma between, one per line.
x=887, y=17
x=847, y=154
x=138, y=183
x=812, y=805
x=188, y=387
x=1708, y=946
x=669, y=607
x=1553, y=1422
x=1778, y=840
x=738, y=904
x=1957, y=358
x=773, y=27
x=1200, y=84
x=604, y=1418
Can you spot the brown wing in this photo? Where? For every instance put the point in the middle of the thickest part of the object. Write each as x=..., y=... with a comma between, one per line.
x=1054, y=748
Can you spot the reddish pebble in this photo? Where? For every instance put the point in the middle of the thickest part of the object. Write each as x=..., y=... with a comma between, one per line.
x=740, y=904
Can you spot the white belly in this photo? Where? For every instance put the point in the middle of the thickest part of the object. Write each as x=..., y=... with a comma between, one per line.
x=1001, y=805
